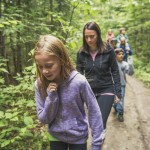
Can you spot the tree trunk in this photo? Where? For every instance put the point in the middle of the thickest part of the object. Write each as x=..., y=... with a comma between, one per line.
x=19, y=51
x=51, y=9
x=0, y=9
x=19, y=55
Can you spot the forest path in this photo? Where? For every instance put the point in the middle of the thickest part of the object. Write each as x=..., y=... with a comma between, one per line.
x=134, y=132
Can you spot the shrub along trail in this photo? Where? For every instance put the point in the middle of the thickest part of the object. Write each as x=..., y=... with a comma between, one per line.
x=134, y=132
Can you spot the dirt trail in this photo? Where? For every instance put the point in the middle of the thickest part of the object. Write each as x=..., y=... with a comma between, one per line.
x=134, y=132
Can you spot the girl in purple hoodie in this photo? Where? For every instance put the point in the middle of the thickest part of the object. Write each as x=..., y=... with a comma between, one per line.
x=60, y=93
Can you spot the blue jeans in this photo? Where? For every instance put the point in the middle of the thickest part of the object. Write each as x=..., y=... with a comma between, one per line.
x=119, y=107
x=58, y=145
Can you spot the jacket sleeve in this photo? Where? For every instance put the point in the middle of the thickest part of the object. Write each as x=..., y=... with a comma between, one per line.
x=130, y=51
x=126, y=66
x=118, y=38
x=115, y=73
x=80, y=64
x=126, y=37
x=94, y=116
x=47, y=108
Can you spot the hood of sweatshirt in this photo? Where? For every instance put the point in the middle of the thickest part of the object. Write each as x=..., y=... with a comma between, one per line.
x=71, y=76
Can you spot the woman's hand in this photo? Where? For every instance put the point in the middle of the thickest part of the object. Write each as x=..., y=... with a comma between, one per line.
x=117, y=100
x=52, y=87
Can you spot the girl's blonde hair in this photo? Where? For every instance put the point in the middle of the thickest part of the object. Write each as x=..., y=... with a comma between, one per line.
x=52, y=46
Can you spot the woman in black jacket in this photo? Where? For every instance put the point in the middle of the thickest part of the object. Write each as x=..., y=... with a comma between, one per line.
x=96, y=60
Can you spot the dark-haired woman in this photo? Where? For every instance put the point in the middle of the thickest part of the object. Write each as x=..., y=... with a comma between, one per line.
x=96, y=60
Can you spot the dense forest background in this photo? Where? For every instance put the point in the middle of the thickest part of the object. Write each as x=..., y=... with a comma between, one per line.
x=21, y=24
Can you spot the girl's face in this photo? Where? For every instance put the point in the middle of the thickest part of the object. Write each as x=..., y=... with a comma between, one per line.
x=91, y=38
x=119, y=56
x=49, y=66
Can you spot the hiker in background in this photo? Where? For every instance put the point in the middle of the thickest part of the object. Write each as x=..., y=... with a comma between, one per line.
x=113, y=43
x=109, y=35
x=126, y=48
x=96, y=60
x=122, y=34
x=123, y=70
x=61, y=93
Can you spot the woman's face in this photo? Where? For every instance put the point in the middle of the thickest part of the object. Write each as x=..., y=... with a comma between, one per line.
x=91, y=37
x=49, y=66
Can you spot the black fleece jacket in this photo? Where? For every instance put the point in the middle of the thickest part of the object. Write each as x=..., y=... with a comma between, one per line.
x=102, y=73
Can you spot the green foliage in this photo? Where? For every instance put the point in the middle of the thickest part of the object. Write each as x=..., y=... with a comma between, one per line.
x=142, y=71
x=19, y=126
x=134, y=16
x=2, y=70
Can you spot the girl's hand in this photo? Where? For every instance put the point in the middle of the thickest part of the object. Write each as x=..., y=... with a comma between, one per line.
x=52, y=87
x=117, y=100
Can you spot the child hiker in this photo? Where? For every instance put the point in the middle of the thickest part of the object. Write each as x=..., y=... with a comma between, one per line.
x=109, y=35
x=126, y=48
x=61, y=93
x=122, y=34
x=113, y=43
x=123, y=70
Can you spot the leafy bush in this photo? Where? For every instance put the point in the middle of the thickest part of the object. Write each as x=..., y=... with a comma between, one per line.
x=142, y=71
x=20, y=129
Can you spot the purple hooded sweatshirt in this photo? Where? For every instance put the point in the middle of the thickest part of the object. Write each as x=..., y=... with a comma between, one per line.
x=64, y=112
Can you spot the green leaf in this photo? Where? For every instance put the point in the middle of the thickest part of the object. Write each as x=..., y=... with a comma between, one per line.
x=8, y=115
x=23, y=130
x=3, y=70
x=2, y=81
x=5, y=143
x=28, y=121
x=31, y=103
x=1, y=25
x=29, y=134
x=3, y=123
x=13, y=21
x=1, y=114
x=15, y=119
